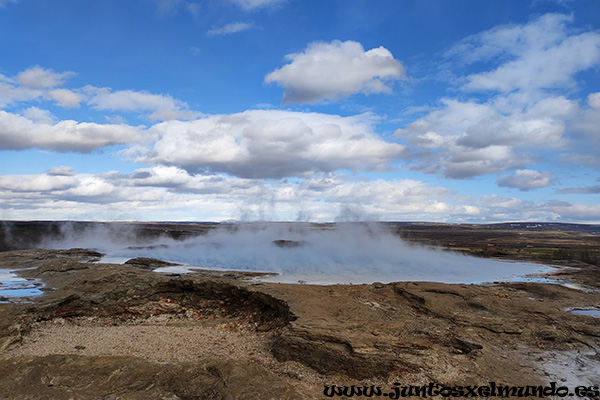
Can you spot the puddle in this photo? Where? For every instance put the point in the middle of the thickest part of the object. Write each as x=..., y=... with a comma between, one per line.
x=536, y=278
x=591, y=312
x=13, y=286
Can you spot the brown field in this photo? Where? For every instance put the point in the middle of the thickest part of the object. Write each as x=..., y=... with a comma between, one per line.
x=121, y=331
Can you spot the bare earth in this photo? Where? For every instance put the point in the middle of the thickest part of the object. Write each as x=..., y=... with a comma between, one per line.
x=107, y=331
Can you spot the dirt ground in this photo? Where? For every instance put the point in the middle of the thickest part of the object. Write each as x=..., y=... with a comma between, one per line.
x=121, y=331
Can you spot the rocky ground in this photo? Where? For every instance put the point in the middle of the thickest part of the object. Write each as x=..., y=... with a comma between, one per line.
x=121, y=331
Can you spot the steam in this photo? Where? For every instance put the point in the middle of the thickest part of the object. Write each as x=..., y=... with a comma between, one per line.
x=346, y=253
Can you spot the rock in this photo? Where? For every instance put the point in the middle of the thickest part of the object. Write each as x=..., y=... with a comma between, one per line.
x=290, y=244
x=148, y=263
x=60, y=265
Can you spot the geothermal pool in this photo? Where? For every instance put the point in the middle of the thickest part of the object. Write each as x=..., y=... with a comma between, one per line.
x=350, y=255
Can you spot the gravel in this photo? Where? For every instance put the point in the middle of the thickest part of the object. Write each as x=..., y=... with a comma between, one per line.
x=162, y=339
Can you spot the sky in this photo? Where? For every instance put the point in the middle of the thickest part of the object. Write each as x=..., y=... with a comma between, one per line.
x=462, y=111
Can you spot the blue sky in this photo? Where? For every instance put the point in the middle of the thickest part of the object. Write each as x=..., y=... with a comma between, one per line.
x=448, y=111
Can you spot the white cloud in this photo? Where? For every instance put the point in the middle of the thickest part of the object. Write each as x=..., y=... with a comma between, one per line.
x=525, y=179
x=39, y=116
x=229, y=29
x=10, y=93
x=171, y=193
x=249, y=5
x=36, y=183
x=37, y=83
x=542, y=123
x=594, y=100
x=527, y=66
x=269, y=144
x=162, y=107
x=541, y=54
x=18, y=133
x=466, y=139
x=40, y=84
x=92, y=187
x=336, y=70
x=574, y=212
x=164, y=189
x=40, y=78
x=462, y=162
x=66, y=98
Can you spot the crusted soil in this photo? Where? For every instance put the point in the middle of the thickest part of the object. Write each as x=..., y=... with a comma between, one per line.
x=108, y=331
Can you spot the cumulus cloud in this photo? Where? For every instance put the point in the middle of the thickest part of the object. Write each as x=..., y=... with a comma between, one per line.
x=269, y=144
x=542, y=123
x=229, y=29
x=336, y=70
x=541, y=54
x=18, y=133
x=38, y=115
x=37, y=83
x=461, y=162
x=465, y=139
x=525, y=179
x=39, y=78
x=10, y=93
x=66, y=98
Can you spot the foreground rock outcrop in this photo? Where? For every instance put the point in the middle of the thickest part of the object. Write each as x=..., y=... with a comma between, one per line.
x=278, y=341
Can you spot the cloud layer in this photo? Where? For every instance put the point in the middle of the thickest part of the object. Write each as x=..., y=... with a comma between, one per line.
x=269, y=144
x=176, y=194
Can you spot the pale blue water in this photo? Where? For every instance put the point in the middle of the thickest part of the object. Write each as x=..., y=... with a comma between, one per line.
x=591, y=312
x=12, y=285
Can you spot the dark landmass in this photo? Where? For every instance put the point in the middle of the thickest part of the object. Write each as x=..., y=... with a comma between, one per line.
x=290, y=244
x=228, y=337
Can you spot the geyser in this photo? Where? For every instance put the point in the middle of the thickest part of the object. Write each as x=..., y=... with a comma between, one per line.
x=346, y=253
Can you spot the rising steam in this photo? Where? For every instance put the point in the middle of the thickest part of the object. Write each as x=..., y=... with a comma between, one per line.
x=348, y=253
